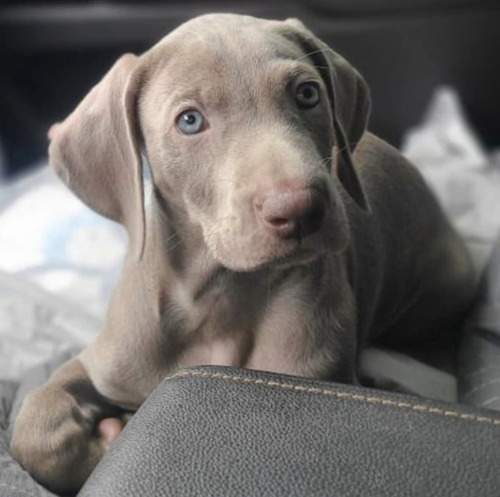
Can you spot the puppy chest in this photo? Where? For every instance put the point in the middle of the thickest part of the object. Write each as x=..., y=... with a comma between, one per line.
x=248, y=325
x=215, y=309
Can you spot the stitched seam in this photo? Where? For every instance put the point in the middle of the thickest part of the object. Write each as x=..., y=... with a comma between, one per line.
x=341, y=395
x=17, y=489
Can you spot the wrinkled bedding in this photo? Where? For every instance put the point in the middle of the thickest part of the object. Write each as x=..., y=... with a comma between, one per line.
x=59, y=261
x=463, y=175
x=35, y=325
x=62, y=261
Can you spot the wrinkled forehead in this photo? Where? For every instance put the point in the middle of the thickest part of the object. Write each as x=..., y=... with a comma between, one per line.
x=215, y=50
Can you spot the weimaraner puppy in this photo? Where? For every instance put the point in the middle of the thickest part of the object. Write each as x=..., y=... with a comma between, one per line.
x=280, y=234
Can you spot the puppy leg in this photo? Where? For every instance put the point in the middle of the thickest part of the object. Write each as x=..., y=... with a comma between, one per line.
x=64, y=428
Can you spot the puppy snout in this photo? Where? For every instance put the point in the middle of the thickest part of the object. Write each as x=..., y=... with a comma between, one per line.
x=291, y=214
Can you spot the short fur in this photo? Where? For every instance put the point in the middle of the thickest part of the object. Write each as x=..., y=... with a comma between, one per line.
x=203, y=281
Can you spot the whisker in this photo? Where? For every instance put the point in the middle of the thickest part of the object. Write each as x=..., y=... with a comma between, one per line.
x=347, y=146
x=327, y=160
x=319, y=50
x=172, y=247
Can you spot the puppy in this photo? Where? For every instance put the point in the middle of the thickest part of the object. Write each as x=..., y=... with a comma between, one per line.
x=280, y=235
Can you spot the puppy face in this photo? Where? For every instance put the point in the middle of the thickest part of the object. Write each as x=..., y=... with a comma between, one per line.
x=240, y=137
x=248, y=126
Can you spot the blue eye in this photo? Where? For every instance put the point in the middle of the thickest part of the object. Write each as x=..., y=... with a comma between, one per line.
x=190, y=122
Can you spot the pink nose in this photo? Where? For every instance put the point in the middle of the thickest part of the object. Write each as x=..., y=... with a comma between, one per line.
x=291, y=214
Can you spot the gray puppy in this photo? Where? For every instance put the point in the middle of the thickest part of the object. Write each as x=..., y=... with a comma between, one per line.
x=280, y=235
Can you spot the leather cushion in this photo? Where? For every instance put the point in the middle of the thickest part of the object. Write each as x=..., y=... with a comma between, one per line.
x=222, y=431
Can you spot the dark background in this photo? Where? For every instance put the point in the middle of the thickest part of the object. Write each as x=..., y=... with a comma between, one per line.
x=52, y=52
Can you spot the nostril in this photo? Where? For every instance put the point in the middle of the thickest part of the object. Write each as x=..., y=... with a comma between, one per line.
x=277, y=221
x=280, y=220
x=295, y=213
x=283, y=227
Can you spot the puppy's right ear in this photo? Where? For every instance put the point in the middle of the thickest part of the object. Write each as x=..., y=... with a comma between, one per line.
x=95, y=151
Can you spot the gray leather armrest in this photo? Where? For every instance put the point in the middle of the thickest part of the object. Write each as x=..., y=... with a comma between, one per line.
x=221, y=431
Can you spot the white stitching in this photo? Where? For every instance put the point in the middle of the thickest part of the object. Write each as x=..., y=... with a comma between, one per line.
x=334, y=393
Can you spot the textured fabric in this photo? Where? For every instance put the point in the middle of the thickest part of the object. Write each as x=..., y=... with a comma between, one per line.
x=55, y=242
x=221, y=431
x=463, y=175
x=36, y=326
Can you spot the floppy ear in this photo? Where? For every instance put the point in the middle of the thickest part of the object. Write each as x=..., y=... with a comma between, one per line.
x=95, y=151
x=350, y=104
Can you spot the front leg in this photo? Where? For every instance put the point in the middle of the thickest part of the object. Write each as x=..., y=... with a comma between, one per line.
x=64, y=428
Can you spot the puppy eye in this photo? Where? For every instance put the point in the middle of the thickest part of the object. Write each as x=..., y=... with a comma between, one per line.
x=190, y=122
x=307, y=95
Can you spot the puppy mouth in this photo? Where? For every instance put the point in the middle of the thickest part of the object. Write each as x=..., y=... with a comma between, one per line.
x=304, y=232
x=297, y=257
x=288, y=253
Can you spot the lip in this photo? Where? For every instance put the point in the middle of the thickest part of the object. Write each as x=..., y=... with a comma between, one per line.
x=298, y=258
x=293, y=256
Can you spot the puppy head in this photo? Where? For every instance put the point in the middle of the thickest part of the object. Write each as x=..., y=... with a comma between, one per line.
x=243, y=121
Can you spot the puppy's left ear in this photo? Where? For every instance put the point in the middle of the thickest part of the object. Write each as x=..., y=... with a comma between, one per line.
x=350, y=103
